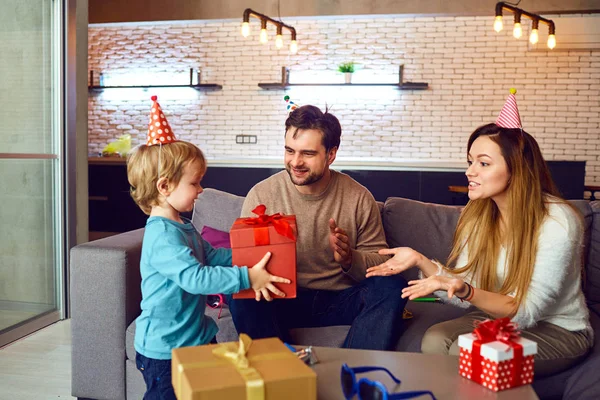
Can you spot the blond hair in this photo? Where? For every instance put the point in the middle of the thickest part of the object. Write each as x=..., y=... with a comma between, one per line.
x=529, y=190
x=144, y=171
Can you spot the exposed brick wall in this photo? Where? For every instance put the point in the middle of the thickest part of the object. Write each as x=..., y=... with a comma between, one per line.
x=468, y=66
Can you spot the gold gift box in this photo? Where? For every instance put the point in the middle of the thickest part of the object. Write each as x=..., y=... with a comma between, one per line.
x=222, y=371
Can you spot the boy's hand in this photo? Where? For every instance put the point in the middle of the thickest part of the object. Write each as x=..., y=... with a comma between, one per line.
x=262, y=281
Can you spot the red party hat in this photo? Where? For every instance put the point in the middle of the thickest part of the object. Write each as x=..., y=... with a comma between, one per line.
x=509, y=116
x=159, y=130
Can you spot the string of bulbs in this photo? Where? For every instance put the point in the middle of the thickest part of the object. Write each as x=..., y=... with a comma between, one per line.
x=264, y=20
x=518, y=30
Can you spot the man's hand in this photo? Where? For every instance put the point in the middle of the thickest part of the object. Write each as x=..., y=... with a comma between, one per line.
x=340, y=244
x=404, y=258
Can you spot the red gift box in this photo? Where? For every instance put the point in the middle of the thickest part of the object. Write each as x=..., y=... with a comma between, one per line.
x=495, y=356
x=252, y=238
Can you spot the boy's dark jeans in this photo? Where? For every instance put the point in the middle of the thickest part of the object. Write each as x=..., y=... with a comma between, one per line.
x=157, y=375
x=372, y=307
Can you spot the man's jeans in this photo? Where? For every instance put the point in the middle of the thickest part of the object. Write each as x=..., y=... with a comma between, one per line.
x=372, y=307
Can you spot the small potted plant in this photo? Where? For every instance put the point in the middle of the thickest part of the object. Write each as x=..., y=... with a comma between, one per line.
x=347, y=69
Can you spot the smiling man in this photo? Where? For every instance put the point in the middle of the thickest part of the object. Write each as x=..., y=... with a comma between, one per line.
x=339, y=235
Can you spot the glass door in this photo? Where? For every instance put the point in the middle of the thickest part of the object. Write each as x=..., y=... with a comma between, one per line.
x=31, y=166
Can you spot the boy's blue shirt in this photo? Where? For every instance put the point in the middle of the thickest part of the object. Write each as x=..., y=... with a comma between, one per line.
x=178, y=270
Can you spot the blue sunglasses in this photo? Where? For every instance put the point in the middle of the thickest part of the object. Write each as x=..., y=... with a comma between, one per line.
x=372, y=390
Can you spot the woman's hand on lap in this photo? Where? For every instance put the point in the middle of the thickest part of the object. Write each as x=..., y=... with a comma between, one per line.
x=424, y=287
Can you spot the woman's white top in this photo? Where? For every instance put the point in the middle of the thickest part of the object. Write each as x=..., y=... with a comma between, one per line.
x=554, y=294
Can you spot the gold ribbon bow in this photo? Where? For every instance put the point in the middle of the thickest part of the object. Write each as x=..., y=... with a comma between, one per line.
x=255, y=386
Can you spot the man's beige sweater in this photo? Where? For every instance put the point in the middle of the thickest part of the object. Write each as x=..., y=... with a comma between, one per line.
x=345, y=200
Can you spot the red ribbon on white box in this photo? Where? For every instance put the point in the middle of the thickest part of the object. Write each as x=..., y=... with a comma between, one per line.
x=501, y=330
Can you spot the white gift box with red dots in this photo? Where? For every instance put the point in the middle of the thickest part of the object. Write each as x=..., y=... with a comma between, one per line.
x=497, y=363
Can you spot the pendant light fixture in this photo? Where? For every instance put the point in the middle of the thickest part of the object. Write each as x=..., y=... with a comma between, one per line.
x=264, y=20
x=518, y=30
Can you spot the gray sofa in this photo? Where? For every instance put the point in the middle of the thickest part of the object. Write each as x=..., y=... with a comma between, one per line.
x=105, y=298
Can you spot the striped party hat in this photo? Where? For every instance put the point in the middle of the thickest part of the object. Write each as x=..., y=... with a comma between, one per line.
x=509, y=116
x=159, y=130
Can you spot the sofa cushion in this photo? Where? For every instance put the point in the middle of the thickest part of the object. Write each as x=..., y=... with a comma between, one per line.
x=129, y=337
x=216, y=209
x=427, y=228
x=591, y=226
x=134, y=381
x=579, y=381
x=592, y=283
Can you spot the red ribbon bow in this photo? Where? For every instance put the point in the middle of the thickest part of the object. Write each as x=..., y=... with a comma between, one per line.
x=281, y=225
x=501, y=330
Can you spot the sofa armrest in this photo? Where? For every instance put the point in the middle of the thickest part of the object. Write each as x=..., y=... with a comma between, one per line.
x=105, y=299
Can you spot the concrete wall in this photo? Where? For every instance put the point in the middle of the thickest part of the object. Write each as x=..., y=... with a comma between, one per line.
x=158, y=10
x=469, y=68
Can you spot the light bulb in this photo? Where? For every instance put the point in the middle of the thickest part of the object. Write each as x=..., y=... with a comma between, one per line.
x=263, y=36
x=517, y=30
x=279, y=41
x=293, y=47
x=534, y=37
x=245, y=29
x=551, y=41
x=498, y=23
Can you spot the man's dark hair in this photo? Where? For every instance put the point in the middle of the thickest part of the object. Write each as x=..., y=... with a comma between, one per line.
x=311, y=117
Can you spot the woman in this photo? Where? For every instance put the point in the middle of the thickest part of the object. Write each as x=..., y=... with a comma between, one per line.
x=516, y=253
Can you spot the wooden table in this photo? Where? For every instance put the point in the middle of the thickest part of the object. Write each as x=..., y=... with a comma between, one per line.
x=416, y=371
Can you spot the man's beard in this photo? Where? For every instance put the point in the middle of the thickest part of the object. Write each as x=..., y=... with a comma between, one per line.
x=309, y=180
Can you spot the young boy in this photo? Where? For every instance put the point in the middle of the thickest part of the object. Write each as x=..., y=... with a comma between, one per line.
x=178, y=267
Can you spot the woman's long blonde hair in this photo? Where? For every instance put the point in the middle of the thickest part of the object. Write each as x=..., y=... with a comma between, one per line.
x=528, y=189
